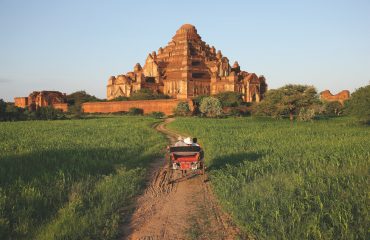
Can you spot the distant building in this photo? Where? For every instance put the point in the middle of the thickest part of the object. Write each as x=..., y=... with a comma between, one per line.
x=36, y=99
x=340, y=97
x=188, y=67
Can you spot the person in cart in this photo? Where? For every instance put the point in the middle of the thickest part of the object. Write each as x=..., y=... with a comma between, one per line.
x=186, y=156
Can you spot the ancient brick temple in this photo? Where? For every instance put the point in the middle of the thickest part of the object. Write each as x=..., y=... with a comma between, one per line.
x=339, y=97
x=185, y=68
x=37, y=99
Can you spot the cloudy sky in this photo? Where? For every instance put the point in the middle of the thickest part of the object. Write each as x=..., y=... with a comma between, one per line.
x=76, y=45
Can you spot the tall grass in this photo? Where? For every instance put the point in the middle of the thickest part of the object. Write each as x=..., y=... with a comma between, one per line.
x=72, y=179
x=281, y=180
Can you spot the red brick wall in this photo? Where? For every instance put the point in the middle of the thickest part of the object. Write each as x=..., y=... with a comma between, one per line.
x=166, y=106
x=21, y=102
x=61, y=106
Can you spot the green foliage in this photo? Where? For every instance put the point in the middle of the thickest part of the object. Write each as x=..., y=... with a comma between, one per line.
x=287, y=101
x=333, y=109
x=241, y=111
x=211, y=107
x=158, y=115
x=359, y=104
x=76, y=99
x=147, y=94
x=9, y=112
x=72, y=179
x=48, y=113
x=2, y=106
x=306, y=114
x=136, y=111
x=230, y=99
x=121, y=98
x=198, y=99
x=81, y=97
x=313, y=184
x=182, y=109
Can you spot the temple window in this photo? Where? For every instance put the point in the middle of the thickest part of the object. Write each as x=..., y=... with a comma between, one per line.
x=150, y=79
x=195, y=63
x=197, y=75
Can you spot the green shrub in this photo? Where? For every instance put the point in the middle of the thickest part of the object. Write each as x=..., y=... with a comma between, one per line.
x=9, y=112
x=2, y=106
x=211, y=107
x=359, y=104
x=182, y=109
x=147, y=94
x=76, y=99
x=120, y=113
x=136, y=111
x=306, y=114
x=237, y=112
x=332, y=109
x=120, y=98
x=230, y=99
x=198, y=99
x=157, y=115
x=48, y=113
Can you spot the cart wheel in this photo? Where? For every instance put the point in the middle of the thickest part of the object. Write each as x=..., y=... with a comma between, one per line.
x=169, y=169
x=170, y=174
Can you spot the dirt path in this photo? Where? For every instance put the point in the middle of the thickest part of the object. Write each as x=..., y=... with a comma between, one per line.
x=185, y=209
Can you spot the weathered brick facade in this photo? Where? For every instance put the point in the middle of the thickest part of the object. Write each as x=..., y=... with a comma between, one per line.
x=37, y=99
x=340, y=97
x=185, y=68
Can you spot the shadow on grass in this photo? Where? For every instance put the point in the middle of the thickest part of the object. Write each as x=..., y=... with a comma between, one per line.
x=74, y=163
x=37, y=184
x=233, y=159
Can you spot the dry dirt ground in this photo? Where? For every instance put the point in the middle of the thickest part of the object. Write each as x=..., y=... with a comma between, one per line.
x=183, y=209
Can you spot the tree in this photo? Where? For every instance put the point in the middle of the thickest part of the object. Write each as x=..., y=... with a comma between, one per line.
x=359, y=104
x=230, y=99
x=211, y=107
x=182, y=109
x=9, y=112
x=76, y=99
x=48, y=113
x=306, y=114
x=81, y=97
x=269, y=105
x=288, y=101
x=135, y=111
x=332, y=109
x=2, y=106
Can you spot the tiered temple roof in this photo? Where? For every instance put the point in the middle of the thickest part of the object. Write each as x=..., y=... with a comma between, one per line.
x=185, y=68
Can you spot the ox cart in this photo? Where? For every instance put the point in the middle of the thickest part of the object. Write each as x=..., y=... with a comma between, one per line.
x=185, y=159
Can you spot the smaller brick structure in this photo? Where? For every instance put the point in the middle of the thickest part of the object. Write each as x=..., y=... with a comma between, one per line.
x=340, y=97
x=21, y=102
x=166, y=106
x=37, y=99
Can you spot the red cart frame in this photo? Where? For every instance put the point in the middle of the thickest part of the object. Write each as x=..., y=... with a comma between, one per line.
x=185, y=158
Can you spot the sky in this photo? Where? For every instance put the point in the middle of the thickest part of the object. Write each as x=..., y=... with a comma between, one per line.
x=76, y=45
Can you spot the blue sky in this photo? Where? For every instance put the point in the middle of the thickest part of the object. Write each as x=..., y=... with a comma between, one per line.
x=77, y=45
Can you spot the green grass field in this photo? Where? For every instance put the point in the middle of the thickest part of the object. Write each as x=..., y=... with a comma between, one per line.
x=280, y=180
x=72, y=179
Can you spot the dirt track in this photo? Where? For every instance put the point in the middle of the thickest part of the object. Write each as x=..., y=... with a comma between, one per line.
x=184, y=209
